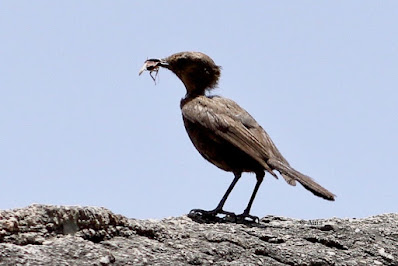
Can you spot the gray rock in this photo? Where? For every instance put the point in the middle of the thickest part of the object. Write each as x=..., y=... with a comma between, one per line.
x=60, y=235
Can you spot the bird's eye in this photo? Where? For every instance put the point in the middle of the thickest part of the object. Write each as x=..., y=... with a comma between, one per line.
x=182, y=60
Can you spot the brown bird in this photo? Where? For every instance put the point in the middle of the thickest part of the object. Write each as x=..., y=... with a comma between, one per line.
x=224, y=133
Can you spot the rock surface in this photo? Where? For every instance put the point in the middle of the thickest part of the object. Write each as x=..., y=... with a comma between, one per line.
x=60, y=235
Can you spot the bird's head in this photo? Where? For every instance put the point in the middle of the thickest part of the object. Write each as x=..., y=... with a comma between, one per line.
x=196, y=70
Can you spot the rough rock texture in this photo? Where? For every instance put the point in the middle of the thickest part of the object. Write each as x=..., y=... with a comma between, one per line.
x=59, y=235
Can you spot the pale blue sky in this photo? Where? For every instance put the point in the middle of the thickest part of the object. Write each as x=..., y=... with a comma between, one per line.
x=79, y=126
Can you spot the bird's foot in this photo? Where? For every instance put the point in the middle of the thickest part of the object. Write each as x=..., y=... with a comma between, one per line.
x=246, y=218
x=213, y=215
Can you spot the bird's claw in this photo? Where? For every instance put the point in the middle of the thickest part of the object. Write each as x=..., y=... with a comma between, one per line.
x=223, y=216
x=213, y=215
x=247, y=219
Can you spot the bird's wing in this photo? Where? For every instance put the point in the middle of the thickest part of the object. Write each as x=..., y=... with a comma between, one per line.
x=258, y=132
x=231, y=122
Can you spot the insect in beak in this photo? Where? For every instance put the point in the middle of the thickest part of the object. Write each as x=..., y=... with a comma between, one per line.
x=152, y=65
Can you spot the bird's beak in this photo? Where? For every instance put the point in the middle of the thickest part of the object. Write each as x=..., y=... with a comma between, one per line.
x=153, y=65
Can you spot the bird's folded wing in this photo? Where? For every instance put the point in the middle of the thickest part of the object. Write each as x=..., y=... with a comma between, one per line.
x=229, y=121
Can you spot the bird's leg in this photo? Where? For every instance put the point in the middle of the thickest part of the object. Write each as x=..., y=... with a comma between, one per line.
x=219, y=209
x=245, y=216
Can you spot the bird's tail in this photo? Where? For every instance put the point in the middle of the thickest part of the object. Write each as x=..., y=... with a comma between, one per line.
x=306, y=181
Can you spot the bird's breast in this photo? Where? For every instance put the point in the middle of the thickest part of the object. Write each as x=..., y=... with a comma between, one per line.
x=218, y=151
